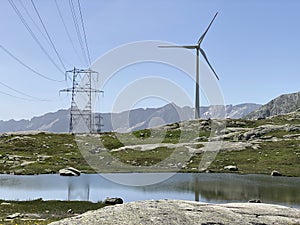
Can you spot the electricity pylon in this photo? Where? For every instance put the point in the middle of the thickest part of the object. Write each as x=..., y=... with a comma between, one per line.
x=82, y=111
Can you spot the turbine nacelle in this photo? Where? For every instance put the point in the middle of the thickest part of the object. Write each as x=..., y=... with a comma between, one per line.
x=197, y=47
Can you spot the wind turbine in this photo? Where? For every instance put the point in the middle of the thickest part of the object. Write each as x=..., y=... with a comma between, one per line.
x=198, y=49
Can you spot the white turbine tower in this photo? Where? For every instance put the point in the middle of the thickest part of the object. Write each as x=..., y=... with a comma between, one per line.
x=197, y=48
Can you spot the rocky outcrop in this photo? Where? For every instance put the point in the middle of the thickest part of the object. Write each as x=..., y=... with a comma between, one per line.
x=113, y=201
x=14, y=216
x=254, y=201
x=187, y=212
x=231, y=168
x=281, y=105
x=69, y=171
x=275, y=173
x=260, y=131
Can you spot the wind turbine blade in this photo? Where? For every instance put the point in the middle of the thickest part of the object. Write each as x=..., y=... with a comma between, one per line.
x=179, y=46
x=206, y=59
x=203, y=35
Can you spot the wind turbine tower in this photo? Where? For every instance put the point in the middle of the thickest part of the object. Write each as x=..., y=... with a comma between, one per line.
x=198, y=49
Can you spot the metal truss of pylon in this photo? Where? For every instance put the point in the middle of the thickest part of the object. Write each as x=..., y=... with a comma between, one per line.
x=82, y=85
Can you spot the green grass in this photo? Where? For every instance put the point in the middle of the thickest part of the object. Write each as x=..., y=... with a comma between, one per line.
x=283, y=156
x=172, y=136
x=143, y=158
x=282, y=119
x=241, y=123
x=67, y=150
x=280, y=133
x=43, y=212
x=63, y=151
x=49, y=152
x=110, y=141
x=146, y=133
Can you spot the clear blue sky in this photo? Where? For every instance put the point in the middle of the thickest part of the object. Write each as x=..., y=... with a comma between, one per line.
x=253, y=45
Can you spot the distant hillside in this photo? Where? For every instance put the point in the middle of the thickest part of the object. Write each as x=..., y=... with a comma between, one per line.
x=125, y=121
x=239, y=111
x=53, y=122
x=281, y=105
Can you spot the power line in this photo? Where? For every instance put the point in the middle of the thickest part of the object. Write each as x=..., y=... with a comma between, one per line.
x=84, y=34
x=77, y=29
x=34, y=23
x=27, y=99
x=75, y=20
x=32, y=20
x=28, y=67
x=67, y=31
x=32, y=34
x=13, y=96
x=53, y=46
x=18, y=97
x=22, y=93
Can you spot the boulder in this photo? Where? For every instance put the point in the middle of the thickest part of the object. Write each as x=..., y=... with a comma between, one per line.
x=70, y=211
x=231, y=168
x=26, y=163
x=275, y=173
x=113, y=201
x=14, y=216
x=5, y=203
x=254, y=201
x=70, y=171
x=205, y=123
x=295, y=128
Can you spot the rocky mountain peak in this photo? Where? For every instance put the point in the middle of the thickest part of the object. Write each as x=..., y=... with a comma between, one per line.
x=283, y=104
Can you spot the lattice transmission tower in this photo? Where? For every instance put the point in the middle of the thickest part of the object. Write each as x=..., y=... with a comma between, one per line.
x=81, y=114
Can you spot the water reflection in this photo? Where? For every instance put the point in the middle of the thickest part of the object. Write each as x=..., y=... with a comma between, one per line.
x=79, y=190
x=236, y=188
x=214, y=188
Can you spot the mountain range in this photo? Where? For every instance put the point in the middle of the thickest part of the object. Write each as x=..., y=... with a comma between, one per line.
x=124, y=121
x=283, y=104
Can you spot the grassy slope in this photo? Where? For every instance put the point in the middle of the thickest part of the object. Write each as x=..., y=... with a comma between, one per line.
x=43, y=212
x=17, y=150
x=50, y=152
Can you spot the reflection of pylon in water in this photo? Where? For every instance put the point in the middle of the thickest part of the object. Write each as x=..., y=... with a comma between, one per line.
x=82, y=85
x=79, y=191
x=98, y=122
